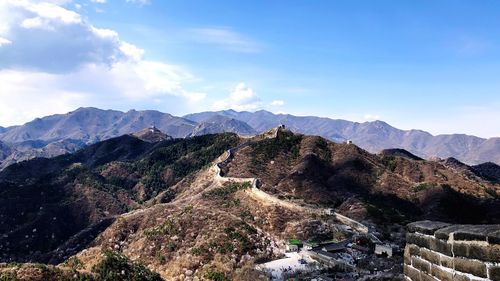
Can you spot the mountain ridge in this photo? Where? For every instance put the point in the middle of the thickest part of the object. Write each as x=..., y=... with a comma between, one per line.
x=65, y=133
x=373, y=136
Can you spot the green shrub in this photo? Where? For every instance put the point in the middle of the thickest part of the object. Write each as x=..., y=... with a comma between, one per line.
x=242, y=238
x=246, y=215
x=168, y=227
x=491, y=192
x=182, y=157
x=227, y=190
x=225, y=248
x=389, y=162
x=216, y=276
x=423, y=187
x=323, y=150
x=8, y=276
x=116, y=266
x=200, y=251
x=74, y=263
x=171, y=246
x=265, y=150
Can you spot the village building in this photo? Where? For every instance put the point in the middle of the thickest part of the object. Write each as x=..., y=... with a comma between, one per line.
x=292, y=248
x=293, y=245
x=383, y=249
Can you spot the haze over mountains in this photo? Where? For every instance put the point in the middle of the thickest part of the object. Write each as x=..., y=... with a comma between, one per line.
x=62, y=133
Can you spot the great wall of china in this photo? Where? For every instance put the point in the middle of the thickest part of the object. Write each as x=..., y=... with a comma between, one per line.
x=440, y=251
x=434, y=251
x=262, y=196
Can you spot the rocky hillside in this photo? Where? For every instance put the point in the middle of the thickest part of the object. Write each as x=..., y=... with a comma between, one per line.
x=372, y=136
x=199, y=217
x=47, y=204
x=5, y=151
x=322, y=172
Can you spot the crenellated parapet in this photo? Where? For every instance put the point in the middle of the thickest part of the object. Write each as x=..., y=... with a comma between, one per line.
x=441, y=251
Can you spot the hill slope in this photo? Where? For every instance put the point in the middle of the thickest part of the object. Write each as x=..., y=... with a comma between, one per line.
x=201, y=215
x=45, y=203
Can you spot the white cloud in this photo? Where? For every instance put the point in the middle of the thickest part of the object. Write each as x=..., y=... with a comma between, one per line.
x=4, y=41
x=139, y=2
x=277, y=103
x=51, y=38
x=54, y=61
x=132, y=51
x=225, y=38
x=29, y=94
x=22, y=98
x=99, y=1
x=371, y=117
x=49, y=13
x=240, y=98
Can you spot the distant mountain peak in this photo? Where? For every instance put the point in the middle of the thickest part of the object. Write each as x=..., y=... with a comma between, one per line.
x=218, y=124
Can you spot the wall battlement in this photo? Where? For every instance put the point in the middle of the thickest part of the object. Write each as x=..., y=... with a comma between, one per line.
x=441, y=251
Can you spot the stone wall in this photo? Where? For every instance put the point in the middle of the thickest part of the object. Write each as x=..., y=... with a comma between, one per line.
x=440, y=251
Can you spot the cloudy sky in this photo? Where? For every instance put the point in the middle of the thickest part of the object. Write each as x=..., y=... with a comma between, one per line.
x=430, y=64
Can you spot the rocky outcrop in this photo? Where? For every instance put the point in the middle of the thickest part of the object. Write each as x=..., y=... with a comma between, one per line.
x=5, y=151
x=440, y=251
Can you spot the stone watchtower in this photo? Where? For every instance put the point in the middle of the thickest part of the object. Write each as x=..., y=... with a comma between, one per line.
x=153, y=128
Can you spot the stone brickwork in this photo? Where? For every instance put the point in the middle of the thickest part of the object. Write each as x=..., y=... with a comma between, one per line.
x=440, y=251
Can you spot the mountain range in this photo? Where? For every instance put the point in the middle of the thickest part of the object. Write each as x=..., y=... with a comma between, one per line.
x=144, y=206
x=65, y=133
x=372, y=136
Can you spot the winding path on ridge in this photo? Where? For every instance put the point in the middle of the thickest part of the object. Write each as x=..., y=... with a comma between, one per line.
x=266, y=198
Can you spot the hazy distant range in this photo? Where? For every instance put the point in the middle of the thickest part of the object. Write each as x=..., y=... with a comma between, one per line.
x=62, y=133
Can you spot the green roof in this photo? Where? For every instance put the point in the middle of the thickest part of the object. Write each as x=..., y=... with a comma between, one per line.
x=294, y=242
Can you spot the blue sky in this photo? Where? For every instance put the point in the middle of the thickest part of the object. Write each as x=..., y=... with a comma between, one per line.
x=431, y=65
